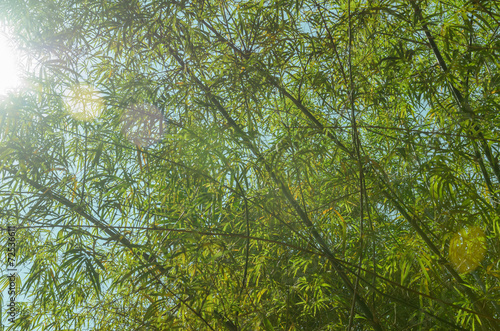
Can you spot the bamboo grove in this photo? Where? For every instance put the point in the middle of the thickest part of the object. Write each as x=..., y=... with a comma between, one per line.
x=254, y=165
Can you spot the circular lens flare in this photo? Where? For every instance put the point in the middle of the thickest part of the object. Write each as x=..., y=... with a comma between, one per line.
x=467, y=249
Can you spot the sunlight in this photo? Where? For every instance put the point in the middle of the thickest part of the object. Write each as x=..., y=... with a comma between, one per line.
x=83, y=102
x=9, y=64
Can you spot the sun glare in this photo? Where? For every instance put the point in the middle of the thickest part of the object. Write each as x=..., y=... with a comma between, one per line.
x=9, y=64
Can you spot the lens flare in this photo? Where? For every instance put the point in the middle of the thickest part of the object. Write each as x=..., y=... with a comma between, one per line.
x=467, y=249
x=142, y=124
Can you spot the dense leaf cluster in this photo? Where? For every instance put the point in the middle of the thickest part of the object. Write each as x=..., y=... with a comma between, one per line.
x=244, y=165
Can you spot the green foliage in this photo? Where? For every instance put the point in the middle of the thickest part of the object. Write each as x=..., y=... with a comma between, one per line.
x=253, y=165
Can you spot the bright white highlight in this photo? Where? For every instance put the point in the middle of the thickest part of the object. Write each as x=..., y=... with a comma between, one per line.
x=9, y=64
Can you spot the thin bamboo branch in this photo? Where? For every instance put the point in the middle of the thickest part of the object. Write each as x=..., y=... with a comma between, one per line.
x=357, y=146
